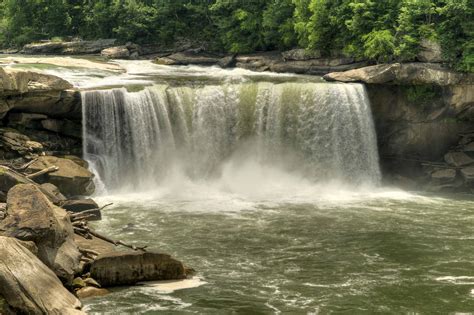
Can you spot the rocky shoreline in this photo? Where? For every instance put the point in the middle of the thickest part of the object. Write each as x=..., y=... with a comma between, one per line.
x=50, y=256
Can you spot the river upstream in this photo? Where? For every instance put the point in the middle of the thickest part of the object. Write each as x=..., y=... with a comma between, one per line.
x=269, y=187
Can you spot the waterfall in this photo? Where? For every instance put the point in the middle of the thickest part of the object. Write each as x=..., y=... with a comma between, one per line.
x=322, y=131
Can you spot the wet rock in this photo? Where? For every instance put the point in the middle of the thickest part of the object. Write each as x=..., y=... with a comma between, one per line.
x=32, y=217
x=430, y=51
x=29, y=286
x=81, y=205
x=63, y=126
x=193, y=58
x=458, y=159
x=404, y=74
x=89, y=292
x=444, y=175
x=127, y=268
x=82, y=47
x=70, y=178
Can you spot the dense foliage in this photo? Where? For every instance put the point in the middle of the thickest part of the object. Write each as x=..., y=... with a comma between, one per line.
x=380, y=30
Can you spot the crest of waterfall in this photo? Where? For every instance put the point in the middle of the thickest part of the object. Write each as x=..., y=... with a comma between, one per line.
x=321, y=131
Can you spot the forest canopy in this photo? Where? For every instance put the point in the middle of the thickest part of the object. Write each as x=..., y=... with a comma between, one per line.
x=379, y=30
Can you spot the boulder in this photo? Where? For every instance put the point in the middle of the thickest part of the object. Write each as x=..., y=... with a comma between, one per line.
x=430, y=51
x=113, y=268
x=9, y=178
x=227, y=61
x=117, y=52
x=403, y=74
x=63, y=126
x=81, y=205
x=70, y=178
x=32, y=217
x=130, y=267
x=458, y=159
x=15, y=81
x=29, y=286
x=81, y=47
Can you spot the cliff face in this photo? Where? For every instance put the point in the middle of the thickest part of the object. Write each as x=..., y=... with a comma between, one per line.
x=421, y=111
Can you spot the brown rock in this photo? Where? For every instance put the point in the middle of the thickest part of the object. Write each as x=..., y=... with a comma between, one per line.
x=29, y=286
x=117, y=52
x=127, y=268
x=63, y=126
x=32, y=217
x=468, y=174
x=70, y=178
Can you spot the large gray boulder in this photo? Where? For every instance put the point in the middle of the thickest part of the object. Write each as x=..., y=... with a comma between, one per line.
x=32, y=217
x=403, y=74
x=29, y=286
x=71, y=178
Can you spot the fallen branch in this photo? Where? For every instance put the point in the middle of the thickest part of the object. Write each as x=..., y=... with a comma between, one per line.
x=116, y=243
x=43, y=171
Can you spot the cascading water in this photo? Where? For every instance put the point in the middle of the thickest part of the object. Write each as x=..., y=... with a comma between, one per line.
x=321, y=131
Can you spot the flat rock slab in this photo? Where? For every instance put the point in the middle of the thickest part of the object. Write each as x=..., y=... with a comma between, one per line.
x=29, y=286
x=127, y=268
x=468, y=174
x=445, y=175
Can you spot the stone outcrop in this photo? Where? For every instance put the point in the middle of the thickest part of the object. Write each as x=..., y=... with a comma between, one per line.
x=81, y=47
x=71, y=178
x=403, y=74
x=190, y=57
x=81, y=205
x=32, y=217
x=29, y=286
x=38, y=93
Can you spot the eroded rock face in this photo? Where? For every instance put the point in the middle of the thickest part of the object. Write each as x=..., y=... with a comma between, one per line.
x=38, y=93
x=127, y=268
x=32, y=217
x=29, y=286
x=404, y=74
x=71, y=178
